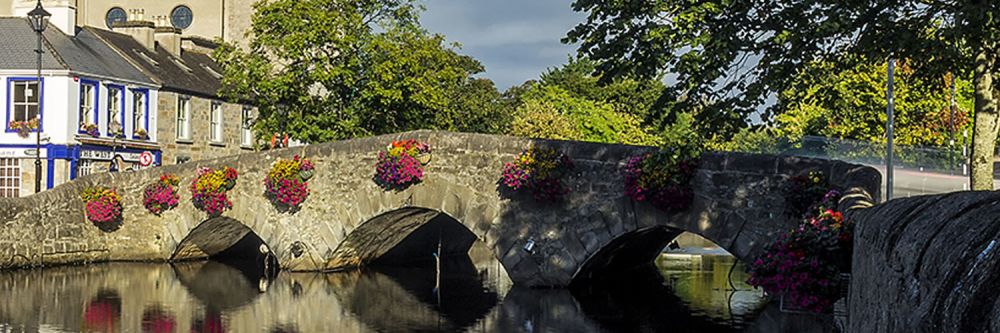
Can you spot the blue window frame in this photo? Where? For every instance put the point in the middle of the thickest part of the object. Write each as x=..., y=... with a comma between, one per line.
x=25, y=100
x=90, y=93
x=140, y=112
x=115, y=110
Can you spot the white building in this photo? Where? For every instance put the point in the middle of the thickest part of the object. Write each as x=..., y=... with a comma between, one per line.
x=84, y=83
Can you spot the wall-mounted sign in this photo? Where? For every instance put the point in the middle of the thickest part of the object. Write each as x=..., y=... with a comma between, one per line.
x=146, y=158
x=19, y=152
x=107, y=155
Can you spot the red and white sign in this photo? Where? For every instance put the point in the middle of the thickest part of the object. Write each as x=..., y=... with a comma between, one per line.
x=146, y=159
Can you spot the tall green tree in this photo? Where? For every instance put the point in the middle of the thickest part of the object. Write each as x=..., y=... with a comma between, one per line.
x=735, y=53
x=323, y=70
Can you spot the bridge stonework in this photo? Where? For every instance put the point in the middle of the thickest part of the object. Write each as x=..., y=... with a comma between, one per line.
x=349, y=221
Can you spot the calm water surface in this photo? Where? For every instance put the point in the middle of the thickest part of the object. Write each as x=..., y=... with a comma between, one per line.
x=679, y=294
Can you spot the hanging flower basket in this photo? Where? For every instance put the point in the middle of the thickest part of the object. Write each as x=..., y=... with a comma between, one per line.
x=103, y=205
x=286, y=184
x=162, y=195
x=401, y=164
x=662, y=178
x=24, y=128
x=539, y=170
x=803, y=191
x=209, y=189
x=806, y=265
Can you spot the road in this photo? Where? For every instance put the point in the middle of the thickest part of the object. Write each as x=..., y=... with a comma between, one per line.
x=907, y=183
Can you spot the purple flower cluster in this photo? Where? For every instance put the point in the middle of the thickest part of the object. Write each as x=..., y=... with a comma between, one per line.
x=662, y=178
x=540, y=170
x=160, y=197
x=104, y=210
x=398, y=172
x=804, y=265
x=213, y=203
x=289, y=192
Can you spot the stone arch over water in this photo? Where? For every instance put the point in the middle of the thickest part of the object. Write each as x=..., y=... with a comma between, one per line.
x=738, y=203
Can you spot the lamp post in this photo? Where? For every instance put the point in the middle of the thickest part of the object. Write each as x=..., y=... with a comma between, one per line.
x=39, y=19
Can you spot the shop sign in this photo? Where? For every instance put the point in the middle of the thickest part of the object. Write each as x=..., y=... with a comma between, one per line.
x=107, y=155
x=19, y=152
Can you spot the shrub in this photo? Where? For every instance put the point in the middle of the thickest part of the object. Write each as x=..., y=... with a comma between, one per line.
x=401, y=164
x=286, y=184
x=663, y=178
x=209, y=189
x=103, y=205
x=540, y=170
x=161, y=195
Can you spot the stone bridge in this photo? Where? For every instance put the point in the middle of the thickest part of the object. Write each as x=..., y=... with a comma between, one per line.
x=349, y=221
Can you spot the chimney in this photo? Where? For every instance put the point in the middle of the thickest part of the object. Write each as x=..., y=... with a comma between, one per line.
x=168, y=37
x=140, y=30
x=63, y=13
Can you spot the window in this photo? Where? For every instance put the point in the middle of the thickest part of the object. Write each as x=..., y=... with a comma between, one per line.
x=86, y=167
x=115, y=109
x=10, y=178
x=181, y=17
x=115, y=15
x=246, y=136
x=88, y=91
x=215, y=121
x=24, y=103
x=183, y=118
x=139, y=117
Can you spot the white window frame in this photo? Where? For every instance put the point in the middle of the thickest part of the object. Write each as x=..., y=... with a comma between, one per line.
x=139, y=107
x=215, y=123
x=246, y=135
x=115, y=110
x=26, y=103
x=183, y=130
x=10, y=178
x=87, y=104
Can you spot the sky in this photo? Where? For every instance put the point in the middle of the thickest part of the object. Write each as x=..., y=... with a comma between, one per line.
x=516, y=40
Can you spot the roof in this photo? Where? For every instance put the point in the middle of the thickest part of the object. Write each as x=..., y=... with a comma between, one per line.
x=84, y=54
x=192, y=73
x=17, y=46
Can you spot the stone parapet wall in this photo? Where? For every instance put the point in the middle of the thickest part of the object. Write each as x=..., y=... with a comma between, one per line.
x=738, y=204
x=928, y=264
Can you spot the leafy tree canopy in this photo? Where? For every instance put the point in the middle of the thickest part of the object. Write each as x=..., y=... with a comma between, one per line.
x=730, y=55
x=324, y=70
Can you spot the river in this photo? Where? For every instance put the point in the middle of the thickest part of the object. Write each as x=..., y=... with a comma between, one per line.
x=680, y=293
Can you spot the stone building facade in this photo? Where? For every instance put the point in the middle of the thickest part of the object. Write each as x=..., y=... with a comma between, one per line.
x=226, y=19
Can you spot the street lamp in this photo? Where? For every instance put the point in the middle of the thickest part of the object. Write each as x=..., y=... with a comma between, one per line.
x=39, y=20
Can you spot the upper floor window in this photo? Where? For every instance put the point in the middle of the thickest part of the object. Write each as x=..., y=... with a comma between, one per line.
x=88, y=97
x=215, y=123
x=24, y=102
x=246, y=136
x=140, y=118
x=115, y=110
x=115, y=15
x=183, y=118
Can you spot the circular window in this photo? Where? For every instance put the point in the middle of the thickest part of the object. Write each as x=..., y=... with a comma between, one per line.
x=115, y=15
x=181, y=17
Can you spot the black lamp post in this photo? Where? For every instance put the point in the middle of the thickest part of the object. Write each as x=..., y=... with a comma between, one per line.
x=39, y=20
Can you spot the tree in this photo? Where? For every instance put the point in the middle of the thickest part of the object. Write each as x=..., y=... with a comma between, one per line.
x=324, y=70
x=735, y=54
x=849, y=104
x=552, y=112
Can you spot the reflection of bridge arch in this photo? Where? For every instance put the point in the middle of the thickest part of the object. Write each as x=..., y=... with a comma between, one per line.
x=736, y=205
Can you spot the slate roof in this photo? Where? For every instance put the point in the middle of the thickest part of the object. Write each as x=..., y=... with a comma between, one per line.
x=83, y=54
x=192, y=73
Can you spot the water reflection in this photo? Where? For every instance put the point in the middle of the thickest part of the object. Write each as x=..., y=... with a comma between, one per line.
x=679, y=296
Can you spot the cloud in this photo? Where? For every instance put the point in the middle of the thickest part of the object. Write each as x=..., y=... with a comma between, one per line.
x=516, y=40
